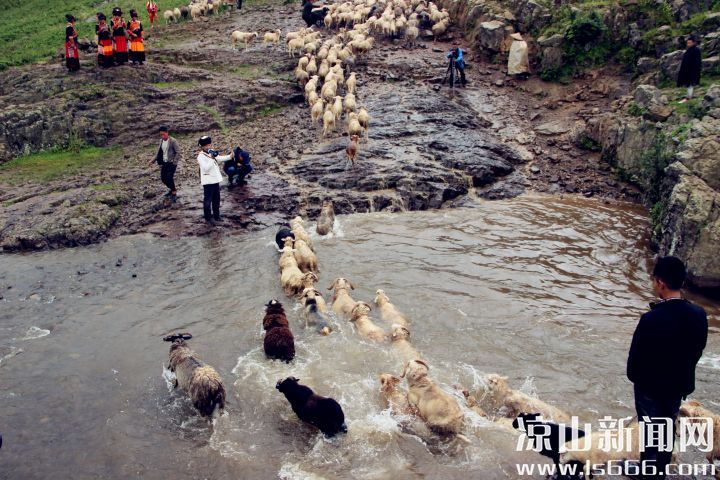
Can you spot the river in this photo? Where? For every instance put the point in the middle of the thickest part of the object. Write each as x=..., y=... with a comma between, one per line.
x=542, y=289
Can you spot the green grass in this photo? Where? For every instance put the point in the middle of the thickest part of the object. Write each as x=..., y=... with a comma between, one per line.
x=270, y=109
x=179, y=85
x=47, y=166
x=104, y=187
x=215, y=116
x=33, y=30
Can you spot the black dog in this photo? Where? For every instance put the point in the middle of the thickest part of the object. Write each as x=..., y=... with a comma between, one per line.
x=532, y=424
x=281, y=235
x=322, y=412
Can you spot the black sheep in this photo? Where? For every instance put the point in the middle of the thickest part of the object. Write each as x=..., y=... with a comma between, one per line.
x=279, y=342
x=322, y=412
x=281, y=235
x=551, y=432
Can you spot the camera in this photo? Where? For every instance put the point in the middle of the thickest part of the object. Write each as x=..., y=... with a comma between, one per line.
x=212, y=152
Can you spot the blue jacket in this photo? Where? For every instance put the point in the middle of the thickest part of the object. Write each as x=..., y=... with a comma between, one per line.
x=460, y=61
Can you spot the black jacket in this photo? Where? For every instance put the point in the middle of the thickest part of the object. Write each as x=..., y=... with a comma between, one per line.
x=690, y=67
x=666, y=346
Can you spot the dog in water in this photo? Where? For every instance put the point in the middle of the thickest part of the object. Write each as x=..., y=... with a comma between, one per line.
x=321, y=412
x=201, y=382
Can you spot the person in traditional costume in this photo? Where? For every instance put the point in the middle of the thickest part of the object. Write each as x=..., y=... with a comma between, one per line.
x=104, y=41
x=72, y=54
x=137, y=46
x=152, y=9
x=119, y=32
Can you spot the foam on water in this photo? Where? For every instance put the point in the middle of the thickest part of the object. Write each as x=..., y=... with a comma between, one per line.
x=293, y=471
x=35, y=332
x=13, y=352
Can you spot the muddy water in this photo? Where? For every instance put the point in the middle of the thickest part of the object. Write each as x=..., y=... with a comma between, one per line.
x=544, y=290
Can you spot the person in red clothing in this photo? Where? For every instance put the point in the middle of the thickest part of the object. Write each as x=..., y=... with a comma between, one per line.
x=137, y=46
x=152, y=9
x=72, y=55
x=105, y=44
x=119, y=32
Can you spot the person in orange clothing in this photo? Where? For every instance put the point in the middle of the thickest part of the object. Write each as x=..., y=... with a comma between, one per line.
x=119, y=32
x=152, y=9
x=137, y=46
x=105, y=44
x=72, y=55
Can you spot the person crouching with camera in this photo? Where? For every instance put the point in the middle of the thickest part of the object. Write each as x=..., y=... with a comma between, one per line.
x=210, y=177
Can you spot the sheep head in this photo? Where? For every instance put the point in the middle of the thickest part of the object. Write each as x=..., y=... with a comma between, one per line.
x=288, y=241
x=388, y=382
x=341, y=283
x=287, y=383
x=399, y=332
x=360, y=309
x=415, y=370
x=380, y=297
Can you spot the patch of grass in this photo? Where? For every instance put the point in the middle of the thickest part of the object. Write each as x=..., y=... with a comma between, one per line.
x=179, y=85
x=51, y=165
x=681, y=132
x=636, y=110
x=691, y=108
x=215, y=116
x=270, y=109
x=104, y=187
x=33, y=30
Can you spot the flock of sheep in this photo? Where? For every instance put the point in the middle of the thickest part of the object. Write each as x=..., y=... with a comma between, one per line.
x=196, y=9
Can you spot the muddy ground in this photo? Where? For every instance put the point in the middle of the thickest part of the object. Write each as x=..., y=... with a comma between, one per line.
x=429, y=146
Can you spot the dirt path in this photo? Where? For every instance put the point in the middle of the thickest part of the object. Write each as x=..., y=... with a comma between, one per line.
x=429, y=146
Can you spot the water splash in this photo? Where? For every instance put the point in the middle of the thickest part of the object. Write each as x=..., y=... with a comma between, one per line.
x=35, y=332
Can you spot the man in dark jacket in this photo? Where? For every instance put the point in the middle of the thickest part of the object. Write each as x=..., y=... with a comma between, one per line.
x=238, y=167
x=666, y=346
x=310, y=14
x=168, y=156
x=689, y=74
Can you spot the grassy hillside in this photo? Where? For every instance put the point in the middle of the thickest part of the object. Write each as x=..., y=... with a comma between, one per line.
x=33, y=30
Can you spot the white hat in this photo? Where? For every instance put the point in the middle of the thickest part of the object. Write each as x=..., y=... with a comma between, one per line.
x=516, y=36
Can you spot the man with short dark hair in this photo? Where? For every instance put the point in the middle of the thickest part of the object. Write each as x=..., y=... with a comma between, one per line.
x=168, y=156
x=690, y=68
x=666, y=346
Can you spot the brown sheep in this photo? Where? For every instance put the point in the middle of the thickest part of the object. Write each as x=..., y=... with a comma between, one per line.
x=279, y=342
x=326, y=219
x=201, y=382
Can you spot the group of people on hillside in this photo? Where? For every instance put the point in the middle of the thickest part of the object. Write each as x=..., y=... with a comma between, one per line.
x=117, y=41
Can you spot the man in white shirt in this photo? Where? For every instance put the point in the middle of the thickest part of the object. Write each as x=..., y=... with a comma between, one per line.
x=210, y=177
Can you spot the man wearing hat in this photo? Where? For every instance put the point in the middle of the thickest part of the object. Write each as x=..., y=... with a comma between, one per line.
x=210, y=177
x=689, y=74
x=518, y=63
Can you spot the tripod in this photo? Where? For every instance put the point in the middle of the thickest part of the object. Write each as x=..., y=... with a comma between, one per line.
x=453, y=72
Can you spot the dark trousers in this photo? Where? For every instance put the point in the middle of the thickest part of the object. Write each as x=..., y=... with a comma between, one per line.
x=211, y=201
x=648, y=406
x=167, y=175
x=239, y=4
x=462, y=74
x=237, y=174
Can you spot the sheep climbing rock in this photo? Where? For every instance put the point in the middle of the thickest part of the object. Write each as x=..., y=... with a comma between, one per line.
x=200, y=381
x=322, y=412
x=279, y=342
x=326, y=219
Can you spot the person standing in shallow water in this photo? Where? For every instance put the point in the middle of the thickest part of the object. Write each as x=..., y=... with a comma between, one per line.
x=690, y=68
x=105, y=44
x=119, y=32
x=666, y=346
x=72, y=53
x=137, y=45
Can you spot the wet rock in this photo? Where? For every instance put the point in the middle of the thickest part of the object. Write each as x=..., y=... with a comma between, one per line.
x=646, y=95
x=711, y=99
x=551, y=52
x=646, y=64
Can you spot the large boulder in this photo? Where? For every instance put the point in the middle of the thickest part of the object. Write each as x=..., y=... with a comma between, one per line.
x=670, y=64
x=551, y=52
x=491, y=35
x=646, y=95
x=690, y=225
x=701, y=151
x=711, y=65
x=530, y=15
x=711, y=44
x=646, y=64
x=711, y=98
x=683, y=9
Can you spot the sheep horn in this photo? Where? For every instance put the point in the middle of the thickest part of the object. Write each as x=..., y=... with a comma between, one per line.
x=185, y=335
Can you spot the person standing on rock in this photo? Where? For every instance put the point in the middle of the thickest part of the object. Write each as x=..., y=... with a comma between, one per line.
x=119, y=32
x=210, y=178
x=105, y=44
x=168, y=156
x=518, y=62
x=152, y=9
x=689, y=74
x=666, y=346
x=137, y=45
x=72, y=53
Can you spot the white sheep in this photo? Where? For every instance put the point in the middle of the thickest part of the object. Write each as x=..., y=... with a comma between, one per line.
x=350, y=103
x=169, y=17
x=312, y=68
x=294, y=45
x=337, y=108
x=272, y=37
x=317, y=110
x=364, y=119
x=244, y=37
x=328, y=122
x=353, y=126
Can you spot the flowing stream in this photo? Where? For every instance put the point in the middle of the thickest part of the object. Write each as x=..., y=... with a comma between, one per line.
x=544, y=290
